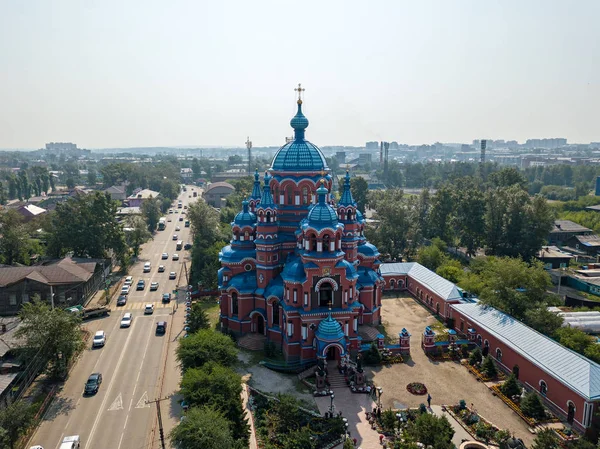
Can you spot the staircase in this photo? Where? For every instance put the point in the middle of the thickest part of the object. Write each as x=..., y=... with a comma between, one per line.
x=336, y=380
x=252, y=342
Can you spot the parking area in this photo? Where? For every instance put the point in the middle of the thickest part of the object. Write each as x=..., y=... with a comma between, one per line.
x=447, y=381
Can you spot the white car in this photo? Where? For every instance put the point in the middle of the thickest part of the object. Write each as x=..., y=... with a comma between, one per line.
x=99, y=339
x=172, y=275
x=161, y=268
x=175, y=237
x=147, y=267
x=164, y=256
x=126, y=320
x=125, y=290
x=128, y=280
x=153, y=286
x=175, y=256
x=149, y=309
x=177, y=228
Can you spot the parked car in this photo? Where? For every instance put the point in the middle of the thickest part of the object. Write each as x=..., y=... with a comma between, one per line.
x=126, y=320
x=161, y=268
x=93, y=383
x=181, y=218
x=172, y=275
x=187, y=246
x=122, y=300
x=125, y=290
x=166, y=297
x=128, y=280
x=141, y=285
x=177, y=228
x=161, y=327
x=153, y=286
x=99, y=339
x=149, y=309
x=164, y=256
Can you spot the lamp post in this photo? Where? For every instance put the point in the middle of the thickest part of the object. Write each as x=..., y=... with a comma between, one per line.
x=331, y=409
x=380, y=392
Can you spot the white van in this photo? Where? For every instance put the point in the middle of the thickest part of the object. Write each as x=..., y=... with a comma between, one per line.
x=71, y=442
x=147, y=267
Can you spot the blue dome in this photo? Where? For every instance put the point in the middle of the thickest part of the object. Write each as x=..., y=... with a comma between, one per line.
x=368, y=250
x=329, y=330
x=245, y=217
x=299, y=154
x=322, y=214
x=294, y=270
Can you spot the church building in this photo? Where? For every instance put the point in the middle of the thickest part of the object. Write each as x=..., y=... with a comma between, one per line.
x=298, y=269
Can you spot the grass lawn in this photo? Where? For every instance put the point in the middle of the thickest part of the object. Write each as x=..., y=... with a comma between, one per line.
x=211, y=307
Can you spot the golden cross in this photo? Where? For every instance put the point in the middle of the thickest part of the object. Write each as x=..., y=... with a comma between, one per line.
x=299, y=89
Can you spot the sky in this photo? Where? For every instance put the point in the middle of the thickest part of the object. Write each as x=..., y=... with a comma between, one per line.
x=137, y=73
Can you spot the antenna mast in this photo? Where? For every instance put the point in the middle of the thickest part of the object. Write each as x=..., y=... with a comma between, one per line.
x=249, y=146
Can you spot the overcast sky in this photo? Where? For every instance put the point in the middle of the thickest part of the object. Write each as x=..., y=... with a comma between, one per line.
x=164, y=73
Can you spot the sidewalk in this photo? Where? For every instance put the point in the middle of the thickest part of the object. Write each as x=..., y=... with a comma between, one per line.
x=460, y=433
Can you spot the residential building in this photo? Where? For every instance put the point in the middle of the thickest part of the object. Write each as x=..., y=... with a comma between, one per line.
x=563, y=230
x=139, y=196
x=553, y=257
x=217, y=192
x=117, y=193
x=30, y=211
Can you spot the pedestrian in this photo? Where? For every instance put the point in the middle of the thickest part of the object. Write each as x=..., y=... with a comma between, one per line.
x=380, y=439
x=429, y=400
x=355, y=441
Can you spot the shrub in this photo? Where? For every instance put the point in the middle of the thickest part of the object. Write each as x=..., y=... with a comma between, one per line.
x=372, y=356
x=484, y=431
x=388, y=420
x=501, y=436
x=422, y=408
x=475, y=357
x=532, y=406
x=489, y=367
x=462, y=404
x=511, y=387
x=464, y=349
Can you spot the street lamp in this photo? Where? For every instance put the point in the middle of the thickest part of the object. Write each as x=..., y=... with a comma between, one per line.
x=380, y=392
x=331, y=409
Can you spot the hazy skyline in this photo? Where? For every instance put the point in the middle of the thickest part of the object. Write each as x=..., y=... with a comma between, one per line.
x=149, y=73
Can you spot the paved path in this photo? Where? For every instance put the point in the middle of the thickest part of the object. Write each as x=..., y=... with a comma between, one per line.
x=460, y=433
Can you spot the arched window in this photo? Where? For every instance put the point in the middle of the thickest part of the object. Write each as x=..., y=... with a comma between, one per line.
x=276, y=194
x=313, y=242
x=326, y=242
x=289, y=194
x=234, y=304
x=349, y=215
x=392, y=284
x=276, y=313
x=479, y=340
x=304, y=195
x=543, y=388
x=499, y=355
x=325, y=295
x=268, y=216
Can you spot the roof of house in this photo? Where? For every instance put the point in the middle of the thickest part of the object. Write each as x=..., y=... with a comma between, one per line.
x=144, y=194
x=594, y=208
x=568, y=226
x=574, y=370
x=115, y=189
x=588, y=240
x=552, y=252
x=31, y=210
x=214, y=185
x=434, y=282
x=64, y=271
x=129, y=210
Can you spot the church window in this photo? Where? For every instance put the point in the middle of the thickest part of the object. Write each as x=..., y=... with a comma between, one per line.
x=248, y=267
x=346, y=296
x=295, y=296
x=304, y=195
x=246, y=235
x=289, y=194
x=349, y=215
x=290, y=329
x=543, y=388
x=392, y=284
x=499, y=355
x=326, y=240
x=325, y=295
x=305, y=299
x=346, y=328
x=351, y=291
x=234, y=304
x=276, y=313
x=304, y=332
x=313, y=242
x=276, y=193
x=268, y=216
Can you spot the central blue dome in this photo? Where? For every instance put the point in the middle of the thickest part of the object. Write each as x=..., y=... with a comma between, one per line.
x=322, y=214
x=299, y=154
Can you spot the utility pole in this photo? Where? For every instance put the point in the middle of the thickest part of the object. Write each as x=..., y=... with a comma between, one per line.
x=160, y=424
x=249, y=147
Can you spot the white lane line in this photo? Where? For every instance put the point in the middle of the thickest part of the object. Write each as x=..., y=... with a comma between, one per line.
x=120, y=441
x=141, y=365
x=60, y=440
x=112, y=380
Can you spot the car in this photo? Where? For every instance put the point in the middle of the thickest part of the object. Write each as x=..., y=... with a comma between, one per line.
x=125, y=290
x=149, y=309
x=166, y=297
x=164, y=256
x=161, y=327
x=187, y=246
x=174, y=237
x=169, y=220
x=175, y=256
x=172, y=275
x=170, y=211
x=147, y=267
x=161, y=268
x=185, y=207
x=93, y=383
x=70, y=442
x=141, y=285
x=36, y=447
x=177, y=228
x=153, y=286
x=99, y=339
x=128, y=280
x=181, y=218
x=122, y=300
x=126, y=320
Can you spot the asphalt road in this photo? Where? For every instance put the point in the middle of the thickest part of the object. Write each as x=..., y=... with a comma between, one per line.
x=132, y=362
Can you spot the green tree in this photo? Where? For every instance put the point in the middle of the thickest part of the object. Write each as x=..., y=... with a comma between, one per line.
x=92, y=177
x=511, y=387
x=574, y=339
x=299, y=439
x=442, y=207
x=544, y=321
x=203, y=428
x=475, y=356
x=70, y=182
x=51, y=333
x=136, y=234
x=360, y=192
x=204, y=346
x=468, y=218
x=198, y=319
x=545, y=439
x=507, y=177
x=15, y=419
x=390, y=236
x=151, y=213
x=532, y=406
x=431, y=257
x=431, y=430
x=452, y=270
x=15, y=242
x=488, y=367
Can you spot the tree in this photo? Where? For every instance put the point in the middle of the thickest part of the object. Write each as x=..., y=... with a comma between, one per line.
x=430, y=256
x=204, y=346
x=507, y=177
x=574, y=339
x=532, y=406
x=431, y=430
x=198, y=319
x=15, y=419
x=360, y=190
x=70, y=182
x=468, y=214
x=442, y=207
x=137, y=233
x=51, y=333
x=488, y=367
x=15, y=241
x=452, y=270
x=373, y=356
x=391, y=234
x=545, y=439
x=511, y=387
x=203, y=428
x=92, y=177
x=543, y=320
x=300, y=439
x=86, y=225
x=475, y=356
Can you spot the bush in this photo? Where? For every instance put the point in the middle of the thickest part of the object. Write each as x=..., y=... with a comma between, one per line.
x=489, y=367
x=388, y=420
x=532, y=406
x=464, y=349
x=511, y=387
x=462, y=404
x=475, y=357
x=372, y=356
x=422, y=408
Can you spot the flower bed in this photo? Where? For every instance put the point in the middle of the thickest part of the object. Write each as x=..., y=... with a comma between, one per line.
x=476, y=425
x=516, y=408
x=417, y=388
x=481, y=376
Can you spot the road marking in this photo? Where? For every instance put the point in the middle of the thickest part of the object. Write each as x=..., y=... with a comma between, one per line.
x=117, y=404
x=142, y=403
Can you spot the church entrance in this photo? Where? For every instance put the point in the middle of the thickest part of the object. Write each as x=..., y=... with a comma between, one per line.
x=258, y=324
x=325, y=295
x=333, y=353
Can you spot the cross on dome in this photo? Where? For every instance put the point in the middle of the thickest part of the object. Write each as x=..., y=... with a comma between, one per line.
x=299, y=89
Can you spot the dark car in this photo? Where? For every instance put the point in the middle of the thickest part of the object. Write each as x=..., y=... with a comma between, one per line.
x=122, y=300
x=141, y=285
x=166, y=297
x=180, y=218
x=161, y=327
x=187, y=246
x=93, y=383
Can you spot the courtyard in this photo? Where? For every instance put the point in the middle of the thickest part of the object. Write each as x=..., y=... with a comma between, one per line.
x=448, y=382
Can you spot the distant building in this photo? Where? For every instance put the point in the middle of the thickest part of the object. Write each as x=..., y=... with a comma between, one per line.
x=365, y=158
x=186, y=174
x=553, y=257
x=138, y=197
x=563, y=230
x=30, y=211
x=340, y=157
x=586, y=244
x=61, y=146
x=117, y=193
x=216, y=193
x=372, y=145
x=394, y=145
x=546, y=143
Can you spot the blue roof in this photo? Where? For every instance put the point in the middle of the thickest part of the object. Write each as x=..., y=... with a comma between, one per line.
x=574, y=370
x=245, y=217
x=367, y=276
x=256, y=194
x=299, y=154
x=368, y=249
x=350, y=270
x=434, y=282
x=294, y=270
x=266, y=200
x=359, y=216
x=346, y=199
x=243, y=282
x=235, y=255
x=275, y=288
x=322, y=214
x=329, y=330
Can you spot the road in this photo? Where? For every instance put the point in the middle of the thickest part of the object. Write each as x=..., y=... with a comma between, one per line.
x=132, y=362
